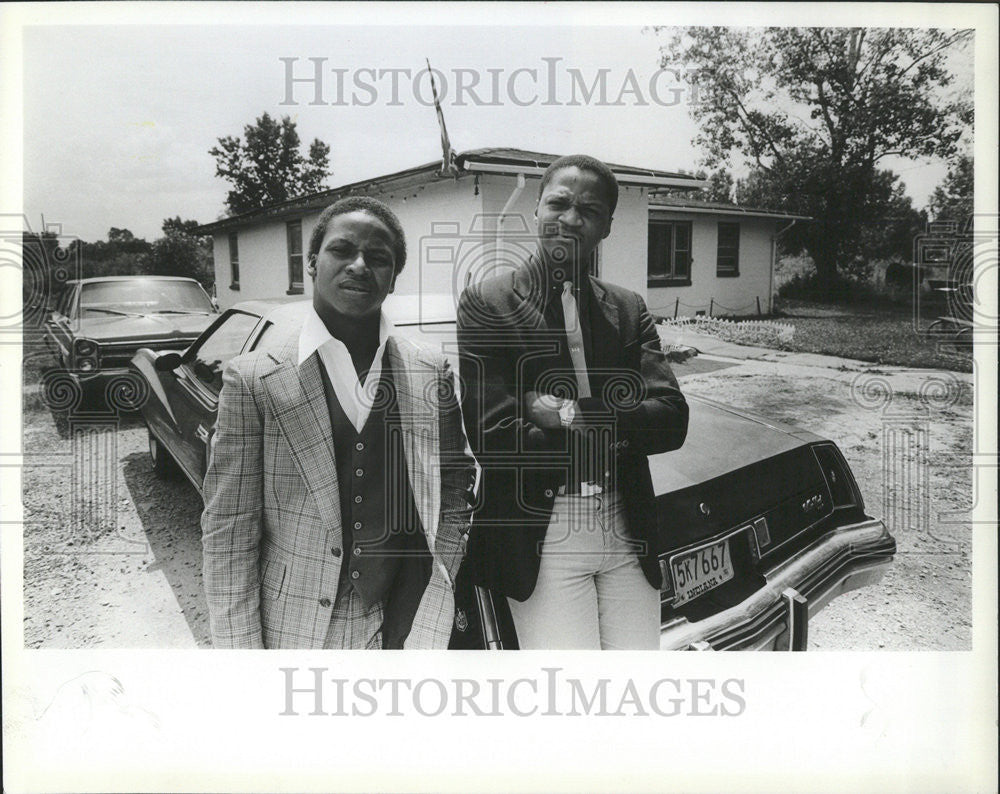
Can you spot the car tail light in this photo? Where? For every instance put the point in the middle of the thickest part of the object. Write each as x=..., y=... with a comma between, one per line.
x=840, y=481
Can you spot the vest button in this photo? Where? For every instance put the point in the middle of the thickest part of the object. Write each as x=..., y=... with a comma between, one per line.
x=359, y=472
x=548, y=493
x=357, y=499
x=335, y=551
x=355, y=574
x=357, y=551
x=360, y=447
x=357, y=525
x=324, y=602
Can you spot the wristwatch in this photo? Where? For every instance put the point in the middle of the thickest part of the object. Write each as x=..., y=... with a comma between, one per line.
x=567, y=412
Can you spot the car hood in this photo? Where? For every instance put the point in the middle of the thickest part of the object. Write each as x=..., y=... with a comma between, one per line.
x=144, y=328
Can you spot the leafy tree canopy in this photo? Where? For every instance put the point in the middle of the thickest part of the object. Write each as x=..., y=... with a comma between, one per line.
x=182, y=253
x=719, y=187
x=814, y=110
x=952, y=199
x=176, y=226
x=267, y=166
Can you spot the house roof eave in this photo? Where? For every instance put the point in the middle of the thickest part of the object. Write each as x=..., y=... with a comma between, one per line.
x=474, y=161
x=316, y=201
x=748, y=212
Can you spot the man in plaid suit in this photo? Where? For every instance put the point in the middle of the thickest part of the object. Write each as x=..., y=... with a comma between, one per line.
x=338, y=495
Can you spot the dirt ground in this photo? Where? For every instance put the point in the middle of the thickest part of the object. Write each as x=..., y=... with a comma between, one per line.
x=117, y=562
x=916, y=444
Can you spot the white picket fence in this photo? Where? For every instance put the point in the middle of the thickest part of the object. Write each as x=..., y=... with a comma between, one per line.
x=764, y=333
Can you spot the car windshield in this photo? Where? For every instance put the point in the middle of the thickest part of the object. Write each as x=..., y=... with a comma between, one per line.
x=144, y=296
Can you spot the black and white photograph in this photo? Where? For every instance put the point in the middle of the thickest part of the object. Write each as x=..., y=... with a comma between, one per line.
x=491, y=336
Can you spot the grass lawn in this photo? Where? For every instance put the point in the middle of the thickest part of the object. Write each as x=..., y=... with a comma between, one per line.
x=881, y=334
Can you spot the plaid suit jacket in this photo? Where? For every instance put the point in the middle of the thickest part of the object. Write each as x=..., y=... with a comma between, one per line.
x=272, y=504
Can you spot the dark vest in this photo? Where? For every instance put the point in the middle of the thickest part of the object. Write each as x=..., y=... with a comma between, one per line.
x=379, y=517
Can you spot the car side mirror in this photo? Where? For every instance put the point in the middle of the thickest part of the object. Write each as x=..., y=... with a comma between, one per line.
x=168, y=362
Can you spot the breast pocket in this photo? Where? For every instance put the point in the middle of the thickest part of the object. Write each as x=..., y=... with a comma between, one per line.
x=272, y=580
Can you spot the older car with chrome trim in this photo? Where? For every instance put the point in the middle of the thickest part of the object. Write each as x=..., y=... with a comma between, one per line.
x=97, y=324
x=763, y=522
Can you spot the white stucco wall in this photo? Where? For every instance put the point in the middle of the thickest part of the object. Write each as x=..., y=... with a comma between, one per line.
x=623, y=254
x=436, y=218
x=450, y=230
x=447, y=206
x=263, y=253
x=738, y=294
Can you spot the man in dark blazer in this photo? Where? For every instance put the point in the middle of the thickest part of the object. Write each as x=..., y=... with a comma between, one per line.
x=566, y=393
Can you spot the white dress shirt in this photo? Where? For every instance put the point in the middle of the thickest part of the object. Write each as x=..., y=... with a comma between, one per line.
x=353, y=396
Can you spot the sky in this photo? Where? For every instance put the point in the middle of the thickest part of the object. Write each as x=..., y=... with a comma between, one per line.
x=118, y=119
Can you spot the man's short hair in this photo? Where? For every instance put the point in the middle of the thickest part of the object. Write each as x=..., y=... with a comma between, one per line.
x=585, y=163
x=361, y=204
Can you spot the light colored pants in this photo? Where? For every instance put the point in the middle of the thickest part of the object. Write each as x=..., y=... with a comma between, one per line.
x=591, y=592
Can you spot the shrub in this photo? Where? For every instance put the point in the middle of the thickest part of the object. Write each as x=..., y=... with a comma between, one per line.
x=806, y=286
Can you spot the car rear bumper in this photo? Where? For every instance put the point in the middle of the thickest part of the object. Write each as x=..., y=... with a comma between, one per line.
x=777, y=615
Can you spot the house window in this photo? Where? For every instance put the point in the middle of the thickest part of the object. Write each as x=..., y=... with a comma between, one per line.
x=294, y=257
x=727, y=264
x=669, y=259
x=234, y=262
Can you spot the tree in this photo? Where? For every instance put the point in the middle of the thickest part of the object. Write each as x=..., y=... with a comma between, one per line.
x=814, y=110
x=181, y=253
x=122, y=254
x=883, y=226
x=44, y=268
x=952, y=199
x=176, y=225
x=268, y=167
x=719, y=188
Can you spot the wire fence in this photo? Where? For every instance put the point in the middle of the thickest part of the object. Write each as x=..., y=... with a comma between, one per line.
x=711, y=308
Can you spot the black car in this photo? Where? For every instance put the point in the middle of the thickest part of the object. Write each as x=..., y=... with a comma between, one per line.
x=98, y=324
x=765, y=522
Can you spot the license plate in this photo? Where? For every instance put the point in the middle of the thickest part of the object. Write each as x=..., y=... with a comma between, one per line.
x=700, y=570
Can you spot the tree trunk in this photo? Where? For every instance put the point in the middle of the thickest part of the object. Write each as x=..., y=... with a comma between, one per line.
x=825, y=259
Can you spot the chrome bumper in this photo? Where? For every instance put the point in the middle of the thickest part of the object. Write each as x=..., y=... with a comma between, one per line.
x=777, y=615
x=97, y=375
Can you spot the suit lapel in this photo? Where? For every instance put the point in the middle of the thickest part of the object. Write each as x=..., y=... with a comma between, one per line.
x=543, y=349
x=298, y=403
x=416, y=391
x=604, y=330
x=529, y=287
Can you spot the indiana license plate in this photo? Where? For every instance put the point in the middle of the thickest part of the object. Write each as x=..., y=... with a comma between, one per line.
x=701, y=570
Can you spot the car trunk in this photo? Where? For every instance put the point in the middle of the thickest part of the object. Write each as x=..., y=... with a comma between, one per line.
x=747, y=501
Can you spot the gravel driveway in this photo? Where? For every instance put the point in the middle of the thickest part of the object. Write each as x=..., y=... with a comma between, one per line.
x=130, y=577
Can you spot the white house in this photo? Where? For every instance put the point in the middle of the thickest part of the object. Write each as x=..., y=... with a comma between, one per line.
x=464, y=225
x=710, y=257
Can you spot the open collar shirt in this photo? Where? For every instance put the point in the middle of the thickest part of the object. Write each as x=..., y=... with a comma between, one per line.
x=355, y=397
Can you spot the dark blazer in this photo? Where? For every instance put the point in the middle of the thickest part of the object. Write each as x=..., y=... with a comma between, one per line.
x=506, y=349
